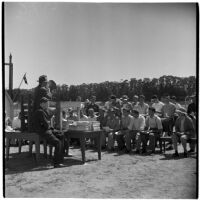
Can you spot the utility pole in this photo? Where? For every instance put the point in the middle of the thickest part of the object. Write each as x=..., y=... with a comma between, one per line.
x=10, y=64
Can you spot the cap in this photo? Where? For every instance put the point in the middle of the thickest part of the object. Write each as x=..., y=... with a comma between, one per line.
x=125, y=97
x=112, y=96
x=43, y=100
x=154, y=97
x=42, y=79
x=181, y=111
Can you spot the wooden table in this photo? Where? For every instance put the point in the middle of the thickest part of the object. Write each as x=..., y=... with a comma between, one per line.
x=82, y=135
x=32, y=137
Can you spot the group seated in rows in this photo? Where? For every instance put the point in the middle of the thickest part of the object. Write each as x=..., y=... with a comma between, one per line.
x=137, y=122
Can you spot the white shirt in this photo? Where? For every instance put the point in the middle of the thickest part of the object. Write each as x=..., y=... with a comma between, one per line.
x=154, y=122
x=158, y=106
x=137, y=123
x=83, y=118
x=16, y=124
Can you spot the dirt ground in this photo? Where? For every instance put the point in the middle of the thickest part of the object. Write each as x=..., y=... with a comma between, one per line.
x=117, y=175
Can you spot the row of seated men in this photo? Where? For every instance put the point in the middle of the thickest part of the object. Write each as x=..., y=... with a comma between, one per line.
x=122, y=120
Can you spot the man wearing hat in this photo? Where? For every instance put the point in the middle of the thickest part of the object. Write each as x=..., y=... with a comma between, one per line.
x=41, y=122
x=41, y=91
x=184, y=131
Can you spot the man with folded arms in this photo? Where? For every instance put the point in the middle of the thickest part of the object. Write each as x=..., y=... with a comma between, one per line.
x=124, y=124
x=135, y=127
x=41, y=123
x=184, y=131
x=153, y=130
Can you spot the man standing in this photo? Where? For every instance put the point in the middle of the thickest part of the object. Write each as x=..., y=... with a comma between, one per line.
x=157, y=105
x=184, y=131
x=41, y=123
x=41, y=91
x=142, y=107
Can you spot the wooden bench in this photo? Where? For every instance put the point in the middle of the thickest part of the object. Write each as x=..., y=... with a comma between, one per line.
x=31, y=137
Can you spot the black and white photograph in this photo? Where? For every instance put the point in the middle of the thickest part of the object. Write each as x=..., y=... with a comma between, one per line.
x=99, y=100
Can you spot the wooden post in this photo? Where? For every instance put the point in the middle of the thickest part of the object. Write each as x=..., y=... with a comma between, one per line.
x=22, y=114
x=10, y=77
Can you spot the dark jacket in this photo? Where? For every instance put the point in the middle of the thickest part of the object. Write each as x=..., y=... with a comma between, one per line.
x=188, y=124
x=41, y=121
x=38, y=94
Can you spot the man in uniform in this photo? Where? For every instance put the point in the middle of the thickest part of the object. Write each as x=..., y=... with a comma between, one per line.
x=41, y=122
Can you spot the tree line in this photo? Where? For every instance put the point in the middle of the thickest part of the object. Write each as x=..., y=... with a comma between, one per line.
x=172, y=85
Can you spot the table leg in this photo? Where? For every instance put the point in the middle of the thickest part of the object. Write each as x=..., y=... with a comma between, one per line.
x=20, y=145
x=37, y=149
x=30, y=147
x=99, y=144
x=7, y=148
x=67, y=143
x=82, y=141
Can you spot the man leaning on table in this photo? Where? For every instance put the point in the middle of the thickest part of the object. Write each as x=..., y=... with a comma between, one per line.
x=41, y=122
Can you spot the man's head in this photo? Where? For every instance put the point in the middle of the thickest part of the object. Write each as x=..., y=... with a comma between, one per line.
x=44, y=103
x=152, y=111
x=181, y=112
x=112, y=98
x=93, y=99
x=91, y=112
x=125, y=111
x=125, y=98
x=193, y=97
x=166, y=99
x=135, y=98
x=141, y=98
x=154, y=99
x=135, y=113
x=43, y=80
x=173, y=99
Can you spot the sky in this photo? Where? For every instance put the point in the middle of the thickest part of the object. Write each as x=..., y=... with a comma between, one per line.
x=75, y=43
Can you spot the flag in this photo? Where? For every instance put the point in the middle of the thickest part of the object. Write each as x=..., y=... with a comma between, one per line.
x=25, y=80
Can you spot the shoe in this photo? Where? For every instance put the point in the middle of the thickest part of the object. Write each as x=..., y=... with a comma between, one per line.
x=176, y=154
x=144, y=150
x=185, y=154
x=137, y=152
x=127, y=151
x=58, y=165
x=191, y=151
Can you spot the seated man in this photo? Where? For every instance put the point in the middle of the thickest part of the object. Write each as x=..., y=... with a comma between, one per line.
x=124, y=124
x=112, y=125
x=135, y=127
x=184, y=130
x=154, y=130
x=42, y=127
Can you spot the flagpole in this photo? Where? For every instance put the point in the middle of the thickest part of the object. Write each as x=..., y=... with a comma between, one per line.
x=19, y=86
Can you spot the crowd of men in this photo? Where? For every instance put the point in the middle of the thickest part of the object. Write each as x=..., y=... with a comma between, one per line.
x=130, y=124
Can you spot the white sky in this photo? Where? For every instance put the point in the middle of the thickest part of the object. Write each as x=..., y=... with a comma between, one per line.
x=75, y=43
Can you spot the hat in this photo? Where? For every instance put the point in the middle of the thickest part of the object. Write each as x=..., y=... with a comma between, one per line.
x=43, y=100
x=125, y=97
x=181, y=111
x=112, y=96
x=42, y=79
x=135, y=96
x=154, y=97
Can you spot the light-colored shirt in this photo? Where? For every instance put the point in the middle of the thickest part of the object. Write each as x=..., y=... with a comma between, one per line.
x=137, y=123
x=125, y=121
x=91, y=119
x=16, y=124
x=83, y=118
x=178, y=106
x=142, y=109
x=153, y=122
x=158, y=106
x=168, y=110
